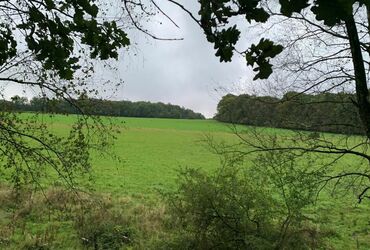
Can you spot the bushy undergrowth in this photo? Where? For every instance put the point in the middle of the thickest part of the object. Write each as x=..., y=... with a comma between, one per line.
x=59, y=219
x=222, y=212
x=237, y=208
x=102, y=229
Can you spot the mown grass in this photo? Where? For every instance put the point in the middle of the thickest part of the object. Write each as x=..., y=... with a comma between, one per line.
x=152, y=152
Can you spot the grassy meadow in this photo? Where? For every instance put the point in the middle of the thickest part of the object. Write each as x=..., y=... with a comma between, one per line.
x=151, y=153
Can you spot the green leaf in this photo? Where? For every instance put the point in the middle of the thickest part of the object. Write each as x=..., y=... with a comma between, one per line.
x=35, y=15
x=288, y=7
x=50, y=4
x=260, y=55
x=332, y=12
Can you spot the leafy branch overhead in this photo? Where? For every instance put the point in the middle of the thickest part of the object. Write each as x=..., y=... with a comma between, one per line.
x=216, y=14
x=55, y=30
x=49, y=47
x=259, y=54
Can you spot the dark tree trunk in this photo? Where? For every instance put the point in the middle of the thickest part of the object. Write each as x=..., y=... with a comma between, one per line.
x=362, y=91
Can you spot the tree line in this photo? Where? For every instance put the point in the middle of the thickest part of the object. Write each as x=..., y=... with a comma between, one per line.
x=100, y=107
x=324, y=112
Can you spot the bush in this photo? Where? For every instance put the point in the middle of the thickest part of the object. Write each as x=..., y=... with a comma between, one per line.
x=222, y=211
x=236, y=209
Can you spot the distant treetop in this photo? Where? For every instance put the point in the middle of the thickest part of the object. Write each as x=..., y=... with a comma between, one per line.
x=104, y=108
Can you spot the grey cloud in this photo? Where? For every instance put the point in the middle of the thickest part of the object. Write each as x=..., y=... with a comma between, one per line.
x=181, y=72
x=178, y=72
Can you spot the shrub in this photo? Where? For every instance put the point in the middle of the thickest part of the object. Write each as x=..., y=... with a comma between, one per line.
x=222, y=211
x=237, y=208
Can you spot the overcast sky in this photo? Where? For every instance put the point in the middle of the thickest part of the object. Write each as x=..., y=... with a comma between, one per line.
x=185, y=72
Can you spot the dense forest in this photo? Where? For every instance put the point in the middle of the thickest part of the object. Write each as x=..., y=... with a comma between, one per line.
x=100, y=107
x=326, y=112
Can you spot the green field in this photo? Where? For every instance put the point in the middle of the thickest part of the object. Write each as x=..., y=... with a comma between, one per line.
x=153, y=150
